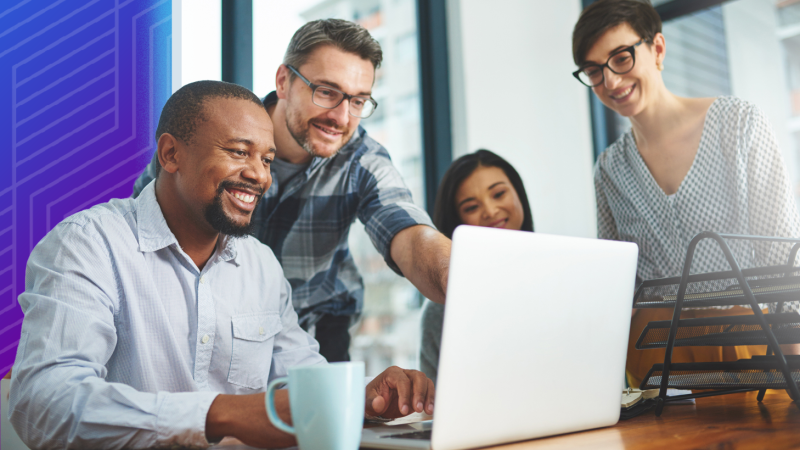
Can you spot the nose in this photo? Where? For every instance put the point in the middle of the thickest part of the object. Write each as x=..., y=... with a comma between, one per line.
x=610, y=79
x=341, y=114
x=256, y=173
x=490, y=210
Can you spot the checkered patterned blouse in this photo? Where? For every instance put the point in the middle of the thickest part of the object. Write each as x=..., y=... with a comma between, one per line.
x=737, y=184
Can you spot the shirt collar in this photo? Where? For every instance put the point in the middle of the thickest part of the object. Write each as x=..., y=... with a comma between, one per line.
x=154, y=233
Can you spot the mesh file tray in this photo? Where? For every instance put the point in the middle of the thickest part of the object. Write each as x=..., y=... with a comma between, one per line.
x=712, y=331
x=755, y=288
x=760, y=372
x=772, y=284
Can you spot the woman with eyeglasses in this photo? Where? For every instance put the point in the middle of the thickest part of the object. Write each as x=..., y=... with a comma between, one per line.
x=480, y=189
x=686, y=165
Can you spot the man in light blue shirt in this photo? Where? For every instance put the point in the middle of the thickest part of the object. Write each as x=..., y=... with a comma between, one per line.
x=159, y=321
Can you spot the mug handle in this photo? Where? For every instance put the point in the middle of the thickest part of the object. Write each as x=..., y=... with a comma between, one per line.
x=271, y=412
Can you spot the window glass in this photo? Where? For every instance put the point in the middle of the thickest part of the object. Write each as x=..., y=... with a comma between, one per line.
x=389, y=330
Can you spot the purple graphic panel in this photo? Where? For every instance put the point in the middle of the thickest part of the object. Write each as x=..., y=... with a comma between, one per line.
x=81, y=86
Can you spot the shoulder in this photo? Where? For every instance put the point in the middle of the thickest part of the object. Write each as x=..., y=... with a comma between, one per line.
x=84, y=237
x=112, y=217
x=370, y=151
x=730, y=111
x=616, y=158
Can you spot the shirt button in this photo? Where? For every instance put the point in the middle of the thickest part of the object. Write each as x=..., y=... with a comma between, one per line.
x=260, y=330
x=205, y=339
x=202, y=280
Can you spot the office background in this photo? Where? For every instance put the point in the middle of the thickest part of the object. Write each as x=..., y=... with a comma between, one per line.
x=82, y=84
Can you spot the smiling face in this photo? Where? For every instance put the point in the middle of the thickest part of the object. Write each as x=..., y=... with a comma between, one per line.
x=224, y=171
x=487, y=199
x=323, y=132
x=630, y=93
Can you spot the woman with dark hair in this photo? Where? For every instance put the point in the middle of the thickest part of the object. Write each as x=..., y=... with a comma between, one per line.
x=480, y=189
x=686, y=165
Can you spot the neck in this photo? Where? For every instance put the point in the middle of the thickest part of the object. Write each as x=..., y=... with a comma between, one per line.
x=664, y=113
x=194, y=234
x=288, y=148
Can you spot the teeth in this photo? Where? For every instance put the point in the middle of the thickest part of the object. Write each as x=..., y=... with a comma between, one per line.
x=244, y=197
x=623, y=94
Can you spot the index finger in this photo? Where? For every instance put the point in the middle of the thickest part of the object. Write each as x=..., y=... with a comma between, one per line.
x=420, y=387
x=430, y=397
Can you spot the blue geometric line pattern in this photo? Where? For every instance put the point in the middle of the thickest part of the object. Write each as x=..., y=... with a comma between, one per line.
x=82, y=83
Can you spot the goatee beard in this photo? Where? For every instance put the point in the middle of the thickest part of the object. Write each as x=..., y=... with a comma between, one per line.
x=301, y=136
x=219, y=221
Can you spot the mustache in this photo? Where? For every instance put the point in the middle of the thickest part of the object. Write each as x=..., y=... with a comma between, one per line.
x=328, y=124
x=259, y=190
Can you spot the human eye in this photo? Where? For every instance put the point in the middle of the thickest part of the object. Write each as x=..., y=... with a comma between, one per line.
x=358, y=102
x=236, y=152
x=621, y=59
x=591, y=70
x=469, y=209
x=326, y=92
x=499, y=194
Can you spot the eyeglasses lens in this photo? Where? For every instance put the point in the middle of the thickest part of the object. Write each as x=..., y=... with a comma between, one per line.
x=620, y=63
x=329, y=98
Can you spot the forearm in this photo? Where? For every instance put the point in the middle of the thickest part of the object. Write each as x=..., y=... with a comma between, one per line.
x=55, y=410
x=245, y=418
x=423, y=255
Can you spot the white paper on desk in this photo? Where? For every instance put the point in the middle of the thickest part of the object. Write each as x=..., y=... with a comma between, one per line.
x=677, y=392
x=411, y=418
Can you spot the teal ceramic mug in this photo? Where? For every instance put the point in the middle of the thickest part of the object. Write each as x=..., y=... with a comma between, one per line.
x=327, y=404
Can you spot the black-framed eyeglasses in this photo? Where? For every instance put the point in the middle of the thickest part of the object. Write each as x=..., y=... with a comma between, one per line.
x=620, y=63
x=329, y=98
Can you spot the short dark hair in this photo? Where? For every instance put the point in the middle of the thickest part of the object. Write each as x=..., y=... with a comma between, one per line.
x=603, y=15
x=184, y=108
x=342, y=34
x=445, y=213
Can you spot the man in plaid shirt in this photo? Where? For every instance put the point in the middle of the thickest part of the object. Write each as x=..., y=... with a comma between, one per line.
x=327, y=173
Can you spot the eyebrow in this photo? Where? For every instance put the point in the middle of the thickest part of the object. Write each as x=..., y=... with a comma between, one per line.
x=473, y=198
x=610, y=53
x=618, y=49
x=336, y=85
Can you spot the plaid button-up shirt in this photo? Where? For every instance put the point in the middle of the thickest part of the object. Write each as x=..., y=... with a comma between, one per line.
x=307, y=222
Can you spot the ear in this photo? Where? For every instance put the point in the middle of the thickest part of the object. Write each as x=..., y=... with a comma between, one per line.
x=659, y=47
x=282, y=81
x=168, y=152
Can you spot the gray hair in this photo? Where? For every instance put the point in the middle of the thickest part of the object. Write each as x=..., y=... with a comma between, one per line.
x=342, y=34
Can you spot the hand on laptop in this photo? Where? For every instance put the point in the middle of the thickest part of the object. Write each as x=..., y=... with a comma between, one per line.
x=397, y=392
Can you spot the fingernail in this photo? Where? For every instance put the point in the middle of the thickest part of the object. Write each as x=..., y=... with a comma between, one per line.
x=404, y=409
x=419, y=406
x=430, y=408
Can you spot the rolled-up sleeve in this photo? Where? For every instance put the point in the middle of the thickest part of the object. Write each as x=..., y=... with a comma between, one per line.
x=59, y=395
x=385, y=207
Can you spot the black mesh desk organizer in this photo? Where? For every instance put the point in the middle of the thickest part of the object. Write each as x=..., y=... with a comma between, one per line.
x=772, y=284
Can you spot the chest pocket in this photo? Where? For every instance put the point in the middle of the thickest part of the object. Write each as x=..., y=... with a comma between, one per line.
x=251, y=356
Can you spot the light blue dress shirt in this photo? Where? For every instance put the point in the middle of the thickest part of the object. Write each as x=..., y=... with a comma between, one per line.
x=126, y=343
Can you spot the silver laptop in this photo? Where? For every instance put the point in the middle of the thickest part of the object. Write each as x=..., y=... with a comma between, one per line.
x=534, y=341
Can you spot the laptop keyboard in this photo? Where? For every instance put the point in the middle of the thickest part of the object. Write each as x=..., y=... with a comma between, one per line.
x=422, y=435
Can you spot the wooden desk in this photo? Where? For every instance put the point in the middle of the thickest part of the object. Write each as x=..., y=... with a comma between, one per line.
x=734, y=421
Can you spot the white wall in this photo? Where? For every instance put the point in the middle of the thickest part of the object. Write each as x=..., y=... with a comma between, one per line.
x=513, y=93
x=196, y=41
x=757, y=66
